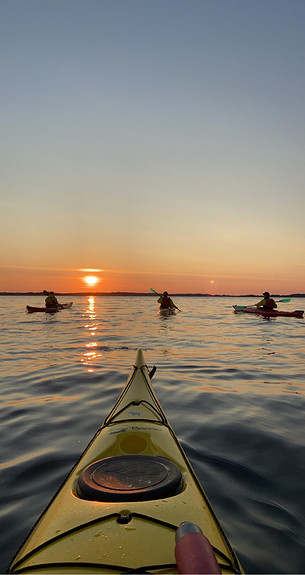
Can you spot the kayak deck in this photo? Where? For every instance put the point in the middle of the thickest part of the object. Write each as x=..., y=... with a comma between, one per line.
x=32, y=309
x=121, y=505
x=268, y=313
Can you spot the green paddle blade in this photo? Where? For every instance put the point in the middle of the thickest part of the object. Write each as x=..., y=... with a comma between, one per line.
x=154, y=291
x=286, y=300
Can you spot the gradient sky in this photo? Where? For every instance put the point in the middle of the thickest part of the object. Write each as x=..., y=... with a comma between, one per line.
x=159, y=141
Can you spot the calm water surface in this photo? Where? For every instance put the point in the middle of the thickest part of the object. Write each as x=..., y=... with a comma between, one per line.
x=232, y=386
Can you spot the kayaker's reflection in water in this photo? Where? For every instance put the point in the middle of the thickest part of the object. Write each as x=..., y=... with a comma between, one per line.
x=51, y=299
x=267, y=302
x=166, y=302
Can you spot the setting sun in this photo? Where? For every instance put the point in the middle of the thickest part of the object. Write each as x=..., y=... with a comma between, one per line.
x=91, y=280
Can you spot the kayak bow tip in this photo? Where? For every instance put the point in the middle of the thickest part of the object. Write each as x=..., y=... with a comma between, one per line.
x=140, y=361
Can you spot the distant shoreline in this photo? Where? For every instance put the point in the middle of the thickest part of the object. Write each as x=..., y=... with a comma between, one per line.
x=141, y=294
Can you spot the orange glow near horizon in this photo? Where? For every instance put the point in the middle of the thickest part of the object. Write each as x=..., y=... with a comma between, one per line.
x=217, y=281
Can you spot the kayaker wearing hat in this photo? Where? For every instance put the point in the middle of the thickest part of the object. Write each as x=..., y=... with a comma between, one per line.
x=166, y=302
x=267, y=302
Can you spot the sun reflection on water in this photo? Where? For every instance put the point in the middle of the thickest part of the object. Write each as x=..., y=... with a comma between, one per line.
x=91, y=354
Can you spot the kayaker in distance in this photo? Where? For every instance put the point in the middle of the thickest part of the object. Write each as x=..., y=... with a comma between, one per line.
x=166, y=302
x=266, y=303
x=51, y=299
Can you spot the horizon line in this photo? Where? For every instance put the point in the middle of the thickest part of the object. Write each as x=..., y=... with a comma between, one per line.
x=144, y=294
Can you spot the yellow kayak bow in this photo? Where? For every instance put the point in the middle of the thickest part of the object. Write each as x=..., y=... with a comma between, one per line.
x=119, y=509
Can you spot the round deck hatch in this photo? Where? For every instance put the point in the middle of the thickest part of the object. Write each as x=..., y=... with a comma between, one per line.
x=130, y=478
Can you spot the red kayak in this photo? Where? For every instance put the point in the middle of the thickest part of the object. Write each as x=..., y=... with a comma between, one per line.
x=32, y=309
x=268, y=313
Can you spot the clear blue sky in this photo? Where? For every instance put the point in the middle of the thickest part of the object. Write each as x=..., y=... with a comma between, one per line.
x=158, y=140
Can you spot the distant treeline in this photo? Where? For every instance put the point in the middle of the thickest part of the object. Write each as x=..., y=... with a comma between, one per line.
x=119, y=293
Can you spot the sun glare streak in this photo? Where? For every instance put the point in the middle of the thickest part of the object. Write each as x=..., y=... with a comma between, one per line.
x=90, y=270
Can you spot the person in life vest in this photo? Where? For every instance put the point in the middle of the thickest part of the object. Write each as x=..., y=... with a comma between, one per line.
x=166, y=302
x=267, y=302
x=51, y=299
